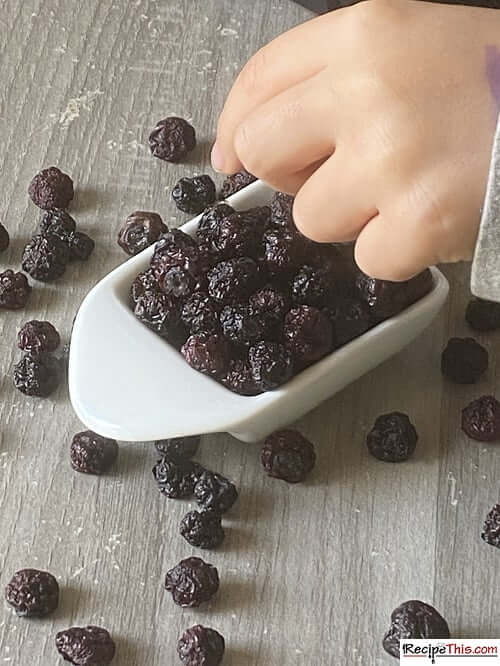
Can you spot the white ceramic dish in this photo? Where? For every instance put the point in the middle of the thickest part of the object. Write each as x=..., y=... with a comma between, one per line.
x=127, y=383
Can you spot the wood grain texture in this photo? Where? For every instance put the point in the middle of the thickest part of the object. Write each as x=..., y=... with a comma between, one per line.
x=310, y=573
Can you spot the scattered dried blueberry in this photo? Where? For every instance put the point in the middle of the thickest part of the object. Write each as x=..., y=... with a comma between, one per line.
x=81, y=246
x=239, y=378
x=281, y=209
x=91, y=453
x=491, y=530
x=172, y=139
x=140, y=230
x=483, y=315
x=393, y=438
x=236, y=182
x=241, y=325
x=199, y=646
x=57, y=223
x=214, y=491
x=14, y=290
x=86, y=646
x=312, y=286
x=4, y=238
x=51, y=188
x=192, y=195
x=45, y=257
x=208, y=353
x=178, y=447
x=414, y=620
x=308, y=334
x=231, y=282
x=37, y=374
x=192, y=582
x=202, y=529
x=271, y=365
x=199, y=314
x=176, y=476
x=208, y=227
x=386, y=299
x=32, y=593
x=464, y=360
x=350, y=318
x=38, y=336
x=288, y=455
x=481, y=419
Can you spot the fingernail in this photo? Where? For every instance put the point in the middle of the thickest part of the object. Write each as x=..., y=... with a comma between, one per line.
x=217, y=158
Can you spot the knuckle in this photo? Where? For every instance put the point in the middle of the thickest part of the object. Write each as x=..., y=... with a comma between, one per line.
x=246, y=150
x=251, y=75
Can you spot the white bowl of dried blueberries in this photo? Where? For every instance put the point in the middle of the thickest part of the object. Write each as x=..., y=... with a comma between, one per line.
x=235, y=323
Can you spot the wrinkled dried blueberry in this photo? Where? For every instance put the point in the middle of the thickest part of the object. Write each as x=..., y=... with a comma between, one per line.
x=208, y=226
x=386, y=299
x=237, y=236
x=192, y=582
x=308, y=334
x=37, y=374
x=145, y=281
x=282, y=252
x=192, y=195
x=57, y=223
x=176, y=476
x=14, y=290
x=350, y=318
x=178, y=447
x=271, y=302
x=32, y=593
x=414, y=620
x=241, y=325
x=483, y=315
x=281, y=209
x=288, y=455
x=393, y=438
x=239, y=378
x=140, y=230
x=481, y=419
x=199, y=314
x=236, y=182
x=202, y=529
x=491, y=529
x=271, y=365
x=161, y=313
x=86, y=646
x=312, y=286
x=233, y=281
x=177, y=282
x=38, y=336
x=214, y=491
x=51, y=188
x=45, y=257
x=4, y=238
x=199, y=646
x=176, y=248
x=81, y=246
x=172, y=139
x=208, y=353
x=464, y=360
x=91, y=453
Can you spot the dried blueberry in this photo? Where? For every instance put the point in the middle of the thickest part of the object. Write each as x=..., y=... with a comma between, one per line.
x=491, y=530
x=192, y=195
x=176, y=248
x=51, y=188
x=208, y=226
x=208, y=353
x=214, y=491
x=308, y=334
x=237, y=236
x=239, y=378
x=483, y=315
x=161, y=313
x=233, y=281
x=236, y=182
x=288, y=455
x=199, y=314
x=464, y=360
x=57, y=223
x=283, y=251
x=178, y=447
x=14, y=290
x=202, y=529
x=45, y=257
x=145, y=281
x=176, y=476
x=192, y=582
x=177, y=282
x=386, y=299
x=312, y=286
x=271, y=302
x=86, y=646
x=199, y=646
x=481, y=419
x=81, y=246
x=172, y=139
x=37, y=374
x=281, y=209
x=140, y=230
x=271, y=365
x=350, y=318
x=393, y=438
x=91, y=453
x=32, y=593
x=414, y=620
x=241, y=325
x=38, y=336
x=4, y=238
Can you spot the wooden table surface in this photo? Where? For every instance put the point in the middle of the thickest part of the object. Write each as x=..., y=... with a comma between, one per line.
x=309, y=573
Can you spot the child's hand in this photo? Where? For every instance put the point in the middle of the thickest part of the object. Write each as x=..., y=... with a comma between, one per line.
x=381, y=118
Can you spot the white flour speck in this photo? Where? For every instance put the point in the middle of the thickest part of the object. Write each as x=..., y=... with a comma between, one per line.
x=76, y=105
x=453, y=488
